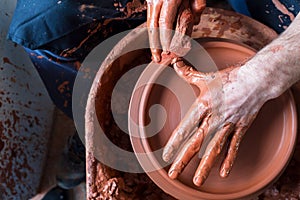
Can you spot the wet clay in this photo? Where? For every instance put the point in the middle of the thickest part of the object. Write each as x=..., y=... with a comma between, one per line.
x=202, y=113
x=104, y=182
x=264, y=152
x=161, y=38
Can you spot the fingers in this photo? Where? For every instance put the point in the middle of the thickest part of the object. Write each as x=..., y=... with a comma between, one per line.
x=212, y=151
x=232, y=151
x=181, y=41
x=185, y=128
x=161, y=16
x=189, y=150
x=166, y=21
x=187, y=73
x=153, y=13
x=236, y=140
x=160, y=19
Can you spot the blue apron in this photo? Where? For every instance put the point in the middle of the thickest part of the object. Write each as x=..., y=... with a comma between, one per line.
x=273, y=13
x=53, y=32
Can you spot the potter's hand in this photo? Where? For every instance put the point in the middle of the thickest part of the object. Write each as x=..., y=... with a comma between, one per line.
x=229, y=101
x=161, y=15
x=226, y=107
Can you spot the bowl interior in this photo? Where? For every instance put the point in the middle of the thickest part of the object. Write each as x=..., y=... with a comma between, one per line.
x=264, y=152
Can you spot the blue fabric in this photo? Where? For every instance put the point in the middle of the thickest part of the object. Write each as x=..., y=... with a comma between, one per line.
x=53, y=26
x=58, y=74
x=240, y=6
x=37, y=22
x=266, y=12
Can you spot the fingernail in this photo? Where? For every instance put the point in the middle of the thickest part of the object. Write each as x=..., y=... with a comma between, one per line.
x=166, y=157
x=167, y=153
x=198, y=181
x=179, y=64
x=156, y=58
x=224, y=173
x=173, y=174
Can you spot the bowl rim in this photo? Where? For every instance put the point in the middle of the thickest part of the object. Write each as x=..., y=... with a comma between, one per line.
x=141, y=144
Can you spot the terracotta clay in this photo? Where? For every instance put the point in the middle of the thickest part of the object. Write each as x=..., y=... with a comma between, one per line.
x=214, y=23
x=264, y=153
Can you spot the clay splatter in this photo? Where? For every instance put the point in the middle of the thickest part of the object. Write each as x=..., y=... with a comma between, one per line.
x=63, y=87
x=7, y=61
x=84, y=7
x=283, y=9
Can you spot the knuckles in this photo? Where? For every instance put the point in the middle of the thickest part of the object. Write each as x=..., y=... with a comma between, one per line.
x=198, y=6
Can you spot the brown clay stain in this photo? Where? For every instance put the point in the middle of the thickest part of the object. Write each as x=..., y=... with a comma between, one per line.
x=63, y=87
x=6, y=60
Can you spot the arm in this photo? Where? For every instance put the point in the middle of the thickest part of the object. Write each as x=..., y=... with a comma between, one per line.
x=229, y=102
x=281, y=60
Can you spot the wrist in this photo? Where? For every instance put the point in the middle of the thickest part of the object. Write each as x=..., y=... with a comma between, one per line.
x=260, y=81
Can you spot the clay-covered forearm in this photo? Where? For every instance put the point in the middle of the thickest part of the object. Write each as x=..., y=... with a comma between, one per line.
x=277, y=66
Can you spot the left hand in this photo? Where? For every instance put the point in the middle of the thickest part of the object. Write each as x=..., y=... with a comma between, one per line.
x=227, y=105
x=161, y=15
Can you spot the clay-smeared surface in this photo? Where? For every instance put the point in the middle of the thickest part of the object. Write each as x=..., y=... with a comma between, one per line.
x=101, y=182
x=266, y=148
x=24, y=132
x=105, y=182
x=25, y=120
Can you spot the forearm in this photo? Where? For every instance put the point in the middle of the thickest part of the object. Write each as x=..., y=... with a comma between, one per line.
x=277, y=66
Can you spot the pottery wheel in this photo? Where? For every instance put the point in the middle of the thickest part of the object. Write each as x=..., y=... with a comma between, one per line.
x=106, y=183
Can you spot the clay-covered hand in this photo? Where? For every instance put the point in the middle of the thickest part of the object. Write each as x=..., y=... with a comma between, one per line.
x=223, y=111
x=161, y=15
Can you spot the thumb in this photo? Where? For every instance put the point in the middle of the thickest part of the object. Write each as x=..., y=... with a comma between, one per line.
x=187, y=73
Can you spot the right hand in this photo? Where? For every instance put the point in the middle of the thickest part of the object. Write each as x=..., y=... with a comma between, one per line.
x=227, y=105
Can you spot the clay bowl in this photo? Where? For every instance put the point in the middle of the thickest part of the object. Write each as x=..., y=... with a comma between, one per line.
x=264, y=152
